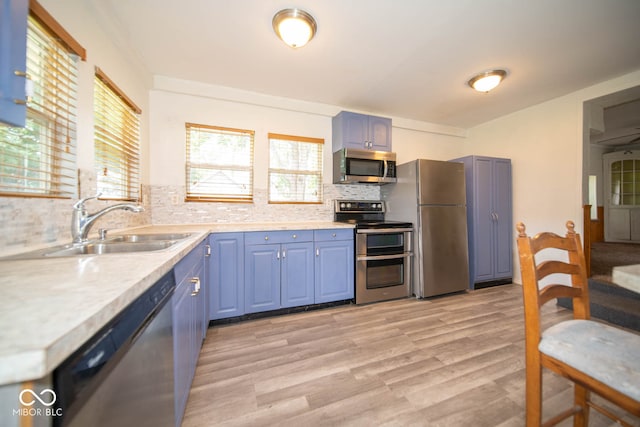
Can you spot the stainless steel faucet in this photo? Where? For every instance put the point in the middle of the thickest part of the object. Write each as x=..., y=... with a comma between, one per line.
x=82, y=221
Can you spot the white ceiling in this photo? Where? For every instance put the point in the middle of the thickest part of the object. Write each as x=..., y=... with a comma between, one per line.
x=402, y=58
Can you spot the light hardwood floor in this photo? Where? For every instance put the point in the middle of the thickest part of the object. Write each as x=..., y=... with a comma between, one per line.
x=451, y=361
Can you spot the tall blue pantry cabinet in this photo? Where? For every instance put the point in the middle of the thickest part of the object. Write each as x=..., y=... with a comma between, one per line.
x=489, y=219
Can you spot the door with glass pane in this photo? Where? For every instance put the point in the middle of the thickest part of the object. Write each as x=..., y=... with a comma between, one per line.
x=622, y=196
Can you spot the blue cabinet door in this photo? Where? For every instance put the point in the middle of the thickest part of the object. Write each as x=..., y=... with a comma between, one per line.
x=360, y=131
x=183, y=335
x=380, y=133
x=200, y=321
x=189, y=323
x=13, y=54
x=297, y=274
x=334, y=271
x=262, y=278
x=503, y=226
x=226, y=275
x=484, y=253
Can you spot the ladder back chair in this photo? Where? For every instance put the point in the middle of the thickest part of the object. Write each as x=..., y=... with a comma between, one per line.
x=596, y=357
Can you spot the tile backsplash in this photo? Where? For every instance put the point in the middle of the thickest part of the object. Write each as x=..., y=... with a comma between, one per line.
x=28, y=222
x=168, y=206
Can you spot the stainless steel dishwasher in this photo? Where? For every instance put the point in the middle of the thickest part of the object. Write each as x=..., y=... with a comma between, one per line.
x=123, y=376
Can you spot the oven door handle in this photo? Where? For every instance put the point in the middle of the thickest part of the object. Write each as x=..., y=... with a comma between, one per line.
x=382, y=230
x=382, y=257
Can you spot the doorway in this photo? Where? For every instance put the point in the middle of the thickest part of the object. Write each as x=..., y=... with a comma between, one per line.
x=611, y=148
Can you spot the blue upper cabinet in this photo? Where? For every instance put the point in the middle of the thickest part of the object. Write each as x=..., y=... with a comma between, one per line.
x=13, y=53
x=360, y=131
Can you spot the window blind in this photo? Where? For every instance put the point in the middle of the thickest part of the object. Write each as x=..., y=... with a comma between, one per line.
x=39, y=160
x=219, y=164
x=295, y=169
x=117, y=141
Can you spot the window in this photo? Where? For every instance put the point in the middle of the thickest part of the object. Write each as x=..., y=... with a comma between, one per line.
x=219, y=164
x=625, y=182
x=117, y=141
x=295, y=169
x=39, y=160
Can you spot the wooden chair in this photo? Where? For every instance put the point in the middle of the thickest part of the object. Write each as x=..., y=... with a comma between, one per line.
x=596, y=357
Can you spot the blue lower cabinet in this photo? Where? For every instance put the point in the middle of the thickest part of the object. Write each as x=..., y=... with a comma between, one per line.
x=189, y=323
x=297, y=278
x=183, y=333
x=334, y=270
x=226, y=275
x=267, y=270
x=262, y=278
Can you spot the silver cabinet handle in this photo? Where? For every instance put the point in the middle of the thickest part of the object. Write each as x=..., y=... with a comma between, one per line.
x=284, y=254
x=317, y=252
x=28, y=88
x=278, y=255
x=294, y=236
x=196, y=286
x=207, y=250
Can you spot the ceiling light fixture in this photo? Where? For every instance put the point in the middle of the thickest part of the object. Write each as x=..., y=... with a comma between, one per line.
x=487, y=80
x=294, y=26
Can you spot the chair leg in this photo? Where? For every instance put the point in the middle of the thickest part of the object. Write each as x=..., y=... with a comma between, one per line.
x=534, y=395
x=581, y=397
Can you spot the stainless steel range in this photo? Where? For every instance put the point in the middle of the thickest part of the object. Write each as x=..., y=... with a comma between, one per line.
x=383, y=251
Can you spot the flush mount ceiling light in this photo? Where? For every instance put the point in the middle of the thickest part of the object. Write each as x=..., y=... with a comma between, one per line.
x=294, y=26
x=487, y=80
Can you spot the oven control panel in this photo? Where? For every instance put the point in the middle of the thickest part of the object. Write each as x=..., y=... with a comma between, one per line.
x=359, y=206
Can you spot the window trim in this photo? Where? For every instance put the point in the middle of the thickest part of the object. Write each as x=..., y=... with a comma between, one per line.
x=295, y=138
x=119, y=92
x=54, y=27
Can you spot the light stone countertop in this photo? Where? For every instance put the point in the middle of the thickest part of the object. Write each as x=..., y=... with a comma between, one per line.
x=50, y=307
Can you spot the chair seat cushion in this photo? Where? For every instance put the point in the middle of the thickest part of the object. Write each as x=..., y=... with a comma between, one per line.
x=606, y=353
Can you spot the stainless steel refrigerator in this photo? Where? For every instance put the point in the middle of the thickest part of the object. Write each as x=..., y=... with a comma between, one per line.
x=431, y=194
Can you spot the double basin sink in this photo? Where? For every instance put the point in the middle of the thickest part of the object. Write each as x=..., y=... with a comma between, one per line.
x=126, y=243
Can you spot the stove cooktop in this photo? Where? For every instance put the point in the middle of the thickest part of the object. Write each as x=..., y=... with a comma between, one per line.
x=365, y=214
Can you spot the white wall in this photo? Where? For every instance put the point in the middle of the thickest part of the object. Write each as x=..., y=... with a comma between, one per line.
x=106, y=48
x=545, y=143
x=175, y=102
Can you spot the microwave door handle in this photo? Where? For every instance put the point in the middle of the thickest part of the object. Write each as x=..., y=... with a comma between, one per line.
x=386, y=169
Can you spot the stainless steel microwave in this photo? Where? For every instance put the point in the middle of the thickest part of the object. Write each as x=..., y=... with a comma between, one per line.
x=351, y=166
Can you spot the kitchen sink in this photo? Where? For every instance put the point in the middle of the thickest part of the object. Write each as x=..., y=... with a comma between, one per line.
x=127, y=243
x=109, y=247
x=135, y=238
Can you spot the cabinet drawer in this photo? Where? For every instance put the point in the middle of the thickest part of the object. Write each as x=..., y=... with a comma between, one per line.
x=185, y=267
x=333, y=234
x=266, y=237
